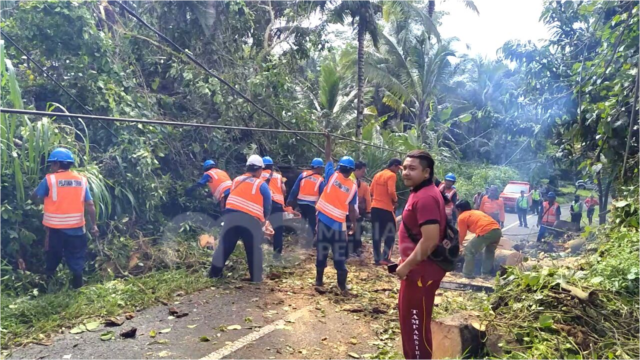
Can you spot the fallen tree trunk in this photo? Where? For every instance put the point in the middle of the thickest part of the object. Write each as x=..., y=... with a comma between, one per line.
x=457, y=336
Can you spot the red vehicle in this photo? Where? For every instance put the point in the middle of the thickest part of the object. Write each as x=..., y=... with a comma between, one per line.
x=512, y=192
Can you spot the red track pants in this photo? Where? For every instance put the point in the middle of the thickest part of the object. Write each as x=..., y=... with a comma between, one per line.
x=415, y=305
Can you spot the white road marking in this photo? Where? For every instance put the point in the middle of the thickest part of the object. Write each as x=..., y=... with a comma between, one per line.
x=245, y=340
x=517, y=223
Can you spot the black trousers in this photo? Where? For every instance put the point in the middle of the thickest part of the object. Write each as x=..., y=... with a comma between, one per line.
x=384, y=229
x=535, y=206
x=239, y=226
x=70, y=247
x=331, y=240
x=308, y=213
x=522, y=216
x=354, y=243
x=276, y=220
x=590, y=213
x=576, y=217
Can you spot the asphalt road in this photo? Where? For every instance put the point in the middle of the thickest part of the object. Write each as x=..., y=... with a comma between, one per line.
x=520, y=234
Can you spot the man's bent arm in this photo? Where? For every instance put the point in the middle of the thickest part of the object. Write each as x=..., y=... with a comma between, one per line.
x=428, y=243
x=91, y=209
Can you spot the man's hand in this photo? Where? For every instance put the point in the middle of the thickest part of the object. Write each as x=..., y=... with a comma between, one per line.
x=402, y=271
x=352, y=229
x=94, y=231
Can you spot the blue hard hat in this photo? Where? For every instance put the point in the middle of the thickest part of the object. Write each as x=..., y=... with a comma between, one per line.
x=347, y=161
x=267, y=160
x=317, y=163
x=450, y=177
x=551, y=194
x=208, y=164
x=62, y=155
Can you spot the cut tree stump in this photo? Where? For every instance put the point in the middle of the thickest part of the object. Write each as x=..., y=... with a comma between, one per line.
x=457, y=336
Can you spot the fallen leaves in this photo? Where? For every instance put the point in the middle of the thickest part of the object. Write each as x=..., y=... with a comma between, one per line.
x=354, y=355
x=129, y=334
x=159, y=342
x=164, y=353
x=354, y=308
x=152, y=333
x=114, y=321
x=353, y=341
x=234, y=327
x=106, y=336
x=78, y=329
x=164, y=331
x=192, y=326
x=92, y=325
x=248, y=319
x=173, y=311
x=129, y=316
x=204, y=339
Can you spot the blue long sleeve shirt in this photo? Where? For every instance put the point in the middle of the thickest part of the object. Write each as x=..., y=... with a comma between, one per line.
x=329, y=170
x=266, y=200
x=293, y=195
x=205, y=179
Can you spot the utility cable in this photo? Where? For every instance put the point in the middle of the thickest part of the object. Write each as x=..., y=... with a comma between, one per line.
x=46, y=73
x=199, y=64
x=152, y=122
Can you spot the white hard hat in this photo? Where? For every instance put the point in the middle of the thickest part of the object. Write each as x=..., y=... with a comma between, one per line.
x=255, y=160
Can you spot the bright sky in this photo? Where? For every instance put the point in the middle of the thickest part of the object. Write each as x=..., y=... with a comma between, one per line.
x=499, y=21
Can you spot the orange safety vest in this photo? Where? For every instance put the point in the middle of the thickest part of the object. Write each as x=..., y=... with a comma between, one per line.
x=334, y=201
x=549, y=214
x=310, y=186
x=64, y=206
x=245, y=196
x=275, y=185
x=448, y=208
x=220, y=182
x=492, y=207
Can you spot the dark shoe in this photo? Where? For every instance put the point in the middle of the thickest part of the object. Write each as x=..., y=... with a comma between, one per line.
x=319, y=277
x=526, y=226
x=342, y=280
x=76, y=281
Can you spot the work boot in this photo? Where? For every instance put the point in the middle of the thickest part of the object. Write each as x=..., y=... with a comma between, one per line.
x=76, y=281
x=342, y=280
x=319, y=277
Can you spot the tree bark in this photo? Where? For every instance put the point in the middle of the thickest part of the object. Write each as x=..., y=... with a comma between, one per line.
x=631, y=121
x=360, y=100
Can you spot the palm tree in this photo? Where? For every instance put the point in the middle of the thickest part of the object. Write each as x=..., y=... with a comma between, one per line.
x=363, y=17
x=411, y=77
x=468, y=3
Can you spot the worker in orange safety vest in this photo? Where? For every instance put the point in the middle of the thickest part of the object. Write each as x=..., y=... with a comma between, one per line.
x=548, y=215
x=218, y=181
x=276, y=185
x=493, y=206
x=247, y=210
x=336, y=202
x=450, y=193
x=66, y=195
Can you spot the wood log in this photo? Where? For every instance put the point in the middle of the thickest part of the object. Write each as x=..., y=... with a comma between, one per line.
x=577, y=293
x=575, y=245
x=457, y=336
x=507, y=258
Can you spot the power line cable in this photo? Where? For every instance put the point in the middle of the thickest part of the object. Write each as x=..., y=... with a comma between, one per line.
x=224, y=82
x=151, y=122
x=46, y=73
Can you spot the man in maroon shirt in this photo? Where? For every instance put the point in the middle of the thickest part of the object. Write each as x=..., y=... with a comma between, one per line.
x=424, y=216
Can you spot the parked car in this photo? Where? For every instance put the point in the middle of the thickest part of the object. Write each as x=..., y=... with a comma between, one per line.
x=511, y=193
x=585, y=185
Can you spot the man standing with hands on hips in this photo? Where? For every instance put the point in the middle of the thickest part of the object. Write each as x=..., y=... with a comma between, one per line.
x=425, y=217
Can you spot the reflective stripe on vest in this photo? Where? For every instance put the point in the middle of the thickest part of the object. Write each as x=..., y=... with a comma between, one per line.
x=245, y=196
x=577, y=208
x=275, y=185
x=310, y=186
x=220, y=182
x=64, y=205
x=448, y=208
x=549, y=217
x=334, y=201
x=523, y=201
x=535, y=195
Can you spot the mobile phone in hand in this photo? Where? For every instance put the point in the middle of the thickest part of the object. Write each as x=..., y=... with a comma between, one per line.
x=392, y=268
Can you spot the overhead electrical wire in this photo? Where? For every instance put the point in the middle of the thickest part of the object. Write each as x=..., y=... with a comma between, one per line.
x=199, y=64
x=46, y=73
